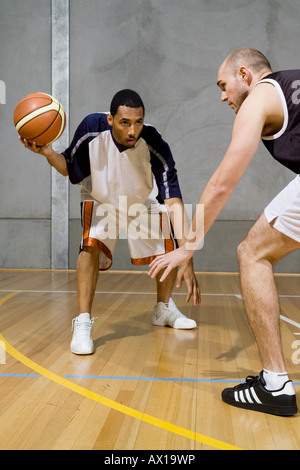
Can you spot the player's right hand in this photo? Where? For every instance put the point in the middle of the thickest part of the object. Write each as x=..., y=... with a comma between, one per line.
x=45, y=150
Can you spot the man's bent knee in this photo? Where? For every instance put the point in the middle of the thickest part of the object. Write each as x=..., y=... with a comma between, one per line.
x=244, y=251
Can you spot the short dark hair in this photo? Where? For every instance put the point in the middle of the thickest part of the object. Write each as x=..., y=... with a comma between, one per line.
x=128, y=98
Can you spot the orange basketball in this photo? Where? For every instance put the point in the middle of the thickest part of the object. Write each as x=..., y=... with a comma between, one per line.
x=39, y=118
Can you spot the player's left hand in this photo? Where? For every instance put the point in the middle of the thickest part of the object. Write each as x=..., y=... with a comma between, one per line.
x=186, y=274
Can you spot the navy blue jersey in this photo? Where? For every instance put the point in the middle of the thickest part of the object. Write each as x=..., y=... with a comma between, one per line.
x=94, y=153
x=285, y=145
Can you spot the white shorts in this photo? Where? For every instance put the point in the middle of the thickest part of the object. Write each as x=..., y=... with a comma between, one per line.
x=285, y=208
x=148, y=231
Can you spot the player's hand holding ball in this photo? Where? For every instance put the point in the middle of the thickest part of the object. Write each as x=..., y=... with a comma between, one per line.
x=40, y=120
x=44, y=150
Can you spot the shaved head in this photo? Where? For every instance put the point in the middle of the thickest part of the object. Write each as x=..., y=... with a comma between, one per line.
x=239, y=73
x=248, y=57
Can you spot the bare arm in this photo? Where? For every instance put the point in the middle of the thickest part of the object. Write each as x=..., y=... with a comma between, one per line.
x=57, y=160
x=181, y=227
x=178, y=218
x=246, y=136
x=243, y=147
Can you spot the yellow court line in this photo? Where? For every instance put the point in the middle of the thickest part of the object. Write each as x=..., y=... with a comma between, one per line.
x=106, y=401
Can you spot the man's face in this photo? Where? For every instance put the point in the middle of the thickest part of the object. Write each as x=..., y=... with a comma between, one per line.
x=127, y=125
x=234, y=88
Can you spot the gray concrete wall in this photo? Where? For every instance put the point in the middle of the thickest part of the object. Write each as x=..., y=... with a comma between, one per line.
x=25, y=66
x=170, y=52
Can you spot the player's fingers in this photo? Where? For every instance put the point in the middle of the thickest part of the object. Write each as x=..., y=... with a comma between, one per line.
x=189, y=285
x=179, y=278
x=197, y=295
x=24, y=142
x=154, y=271
x=29, y=146
x=156, y=266
x=188, y=297
x=165, y=274
x=153, y=263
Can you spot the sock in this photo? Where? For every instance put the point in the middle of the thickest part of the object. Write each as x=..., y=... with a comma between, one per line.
x=84, y=316
x=274, y=380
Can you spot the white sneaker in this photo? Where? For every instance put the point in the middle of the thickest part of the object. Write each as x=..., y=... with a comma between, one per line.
x=82, y=342
x=171, y=316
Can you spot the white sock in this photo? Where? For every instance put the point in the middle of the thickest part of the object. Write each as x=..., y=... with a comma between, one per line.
x=84, y=316
x=274, y=380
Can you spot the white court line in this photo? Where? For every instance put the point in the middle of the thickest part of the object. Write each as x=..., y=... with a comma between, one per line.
x=239, y=296
x=287, y=320
x=292, y=322
x=108, y=292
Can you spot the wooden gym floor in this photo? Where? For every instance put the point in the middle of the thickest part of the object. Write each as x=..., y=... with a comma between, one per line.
x=145, y=387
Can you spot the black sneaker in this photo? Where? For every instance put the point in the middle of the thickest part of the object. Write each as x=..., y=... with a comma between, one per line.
x=253, y=395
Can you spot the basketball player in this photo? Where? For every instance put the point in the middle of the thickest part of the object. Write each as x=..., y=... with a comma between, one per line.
x=128, y=182
x=267, y=107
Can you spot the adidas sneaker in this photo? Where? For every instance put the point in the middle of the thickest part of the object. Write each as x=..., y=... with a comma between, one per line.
x=252, y=395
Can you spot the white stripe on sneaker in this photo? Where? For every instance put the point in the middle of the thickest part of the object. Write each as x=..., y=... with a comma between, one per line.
x=246, y=396
x=255, y=396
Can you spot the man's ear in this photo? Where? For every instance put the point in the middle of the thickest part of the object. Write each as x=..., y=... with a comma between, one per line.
x=110, y=119
x=245, y=75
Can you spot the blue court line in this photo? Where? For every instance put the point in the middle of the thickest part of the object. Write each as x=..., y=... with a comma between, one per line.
x=166, y=379
x=154, y=379
x=19, y=375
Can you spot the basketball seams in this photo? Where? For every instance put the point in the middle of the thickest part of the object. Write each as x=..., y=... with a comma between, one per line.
x=34, y=114
x=22, y=103
x=63, y=122
x=46, y=111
